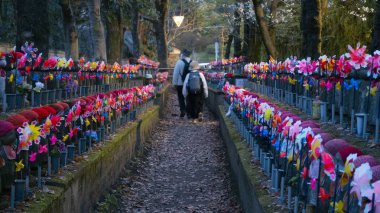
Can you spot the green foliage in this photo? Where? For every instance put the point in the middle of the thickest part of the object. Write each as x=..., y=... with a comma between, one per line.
x=347, y=22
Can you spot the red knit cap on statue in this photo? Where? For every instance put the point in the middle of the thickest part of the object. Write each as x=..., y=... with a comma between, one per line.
x=17, y=120
x=5, y=128
x=30, y=115
x=57, y=107
x=50, y=110
x=41, y=112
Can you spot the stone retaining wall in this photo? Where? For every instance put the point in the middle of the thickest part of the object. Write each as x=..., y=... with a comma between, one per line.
x=79, y=190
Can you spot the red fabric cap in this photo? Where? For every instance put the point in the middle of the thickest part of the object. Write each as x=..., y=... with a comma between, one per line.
x=5, y=127
x=30, y=115
x=17, y=120
x=346, y=151
x=335, y=145
x=57, y=107
x=50, y=110
x=366, y=159
x=41, y=112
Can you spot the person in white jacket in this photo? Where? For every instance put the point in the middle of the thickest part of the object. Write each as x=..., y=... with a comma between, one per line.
x=180, y=71
x=195, y=91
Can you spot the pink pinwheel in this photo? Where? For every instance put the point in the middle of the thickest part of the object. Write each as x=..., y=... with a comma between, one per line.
x=358, y=57
x=295, y=129
x=69, y=117
x=43, y=149
x=38, y=61
x=329, y=166
x=369, y=193
x=33, y=156
x=375, y=63
x=53, y=140
x=361, y=181
x=313, y=172
x=343, y=67
x=71, y=134
x=22, y=61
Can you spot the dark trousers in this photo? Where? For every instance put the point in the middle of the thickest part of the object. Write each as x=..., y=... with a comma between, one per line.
x=181, y=100
x=194, y=105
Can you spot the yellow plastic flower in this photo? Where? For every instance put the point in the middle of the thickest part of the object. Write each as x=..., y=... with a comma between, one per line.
x=34, y=132
x=87, y=122
x=19, y=165
x=267, y=114
x=307, y=86
x=314, y=147
x=374, y=90
x=93, y=65
x=338, y=86
x=61, y=63
x=65, y=138
x=338, y=206
x=11, y=77
x=292, y=81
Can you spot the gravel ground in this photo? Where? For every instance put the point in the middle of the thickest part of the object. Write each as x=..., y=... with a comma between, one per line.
x=185, y=169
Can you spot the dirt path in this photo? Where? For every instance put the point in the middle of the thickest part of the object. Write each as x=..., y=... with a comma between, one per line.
x=184, y=171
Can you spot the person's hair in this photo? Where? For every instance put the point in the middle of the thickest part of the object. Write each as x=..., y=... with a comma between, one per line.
x=194, y=65
x=186, y=53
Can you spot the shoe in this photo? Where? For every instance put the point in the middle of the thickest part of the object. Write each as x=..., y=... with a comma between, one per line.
x=200, y=117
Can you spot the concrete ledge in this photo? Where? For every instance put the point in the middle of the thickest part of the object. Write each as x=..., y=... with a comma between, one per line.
x=247, y=176
x=79, y=190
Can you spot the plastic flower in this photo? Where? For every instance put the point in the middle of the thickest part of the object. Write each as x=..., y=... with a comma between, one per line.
x=53, y=140
x=338, y=86
x=348, y=168
x=43, y=149
x=338, y=206
x=323, y=195
x=329, y=166
x=19, y=166
x=361, y=181
x=32, y=156
x=39, y=86
x=373, y=90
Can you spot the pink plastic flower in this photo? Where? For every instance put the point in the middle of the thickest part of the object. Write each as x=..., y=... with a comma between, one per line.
x=53, y=140
x=33, y=157
x=43, y=149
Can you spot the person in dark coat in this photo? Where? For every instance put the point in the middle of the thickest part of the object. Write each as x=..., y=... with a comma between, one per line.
x=195, y=90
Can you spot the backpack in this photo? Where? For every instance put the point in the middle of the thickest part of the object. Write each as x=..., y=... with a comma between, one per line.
x=185, y=69
x=194, y=83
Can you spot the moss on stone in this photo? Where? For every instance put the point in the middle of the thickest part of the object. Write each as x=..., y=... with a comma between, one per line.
x=252, y=171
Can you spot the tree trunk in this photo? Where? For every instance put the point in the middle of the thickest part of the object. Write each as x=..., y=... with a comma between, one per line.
x=97, y=30
x=376, y=29
x=160, y=32
x=228, y=46
x=32, y=20
x=247, y=31
x=237, y=39
x=70, y=29
x=135, y=29
x=311, y=27
x=254, y=44
x=264, y=29
x=114, y=28
x=273, y=15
